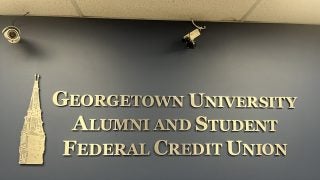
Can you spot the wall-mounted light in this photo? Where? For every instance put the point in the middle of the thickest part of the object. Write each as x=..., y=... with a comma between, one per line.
x=189, y=39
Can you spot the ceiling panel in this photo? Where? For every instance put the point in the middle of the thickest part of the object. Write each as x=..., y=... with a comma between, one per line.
x=273, y=11
x=37, y=7
x=287, y=11
x=207, y=10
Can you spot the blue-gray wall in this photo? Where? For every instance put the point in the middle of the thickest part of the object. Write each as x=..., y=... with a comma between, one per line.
x=147, y=57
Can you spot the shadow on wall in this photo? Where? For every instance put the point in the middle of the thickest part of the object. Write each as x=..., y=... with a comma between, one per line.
x=176, y=46
x=31, y=48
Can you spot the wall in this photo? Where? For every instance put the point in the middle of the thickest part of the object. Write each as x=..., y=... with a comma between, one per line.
x=147, y=57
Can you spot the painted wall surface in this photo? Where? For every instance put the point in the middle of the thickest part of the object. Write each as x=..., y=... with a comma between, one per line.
x=147, y=57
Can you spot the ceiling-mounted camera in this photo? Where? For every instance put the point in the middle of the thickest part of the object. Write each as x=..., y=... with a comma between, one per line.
x=12, y=34
x=189, y=39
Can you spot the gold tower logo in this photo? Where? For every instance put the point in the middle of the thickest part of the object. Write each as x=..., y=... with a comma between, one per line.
x=32, y=140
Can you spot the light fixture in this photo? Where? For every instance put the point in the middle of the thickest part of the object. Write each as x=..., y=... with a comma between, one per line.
x=189, y=39
x=12, y=34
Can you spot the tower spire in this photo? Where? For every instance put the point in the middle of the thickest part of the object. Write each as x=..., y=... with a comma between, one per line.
x=37, y=77
x=32, y=140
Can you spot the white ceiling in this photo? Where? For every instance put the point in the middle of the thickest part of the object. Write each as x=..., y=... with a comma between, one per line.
x=273, y=11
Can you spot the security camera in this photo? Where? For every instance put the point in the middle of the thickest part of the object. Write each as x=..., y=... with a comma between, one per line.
x=189, y=38
x=12, y=34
